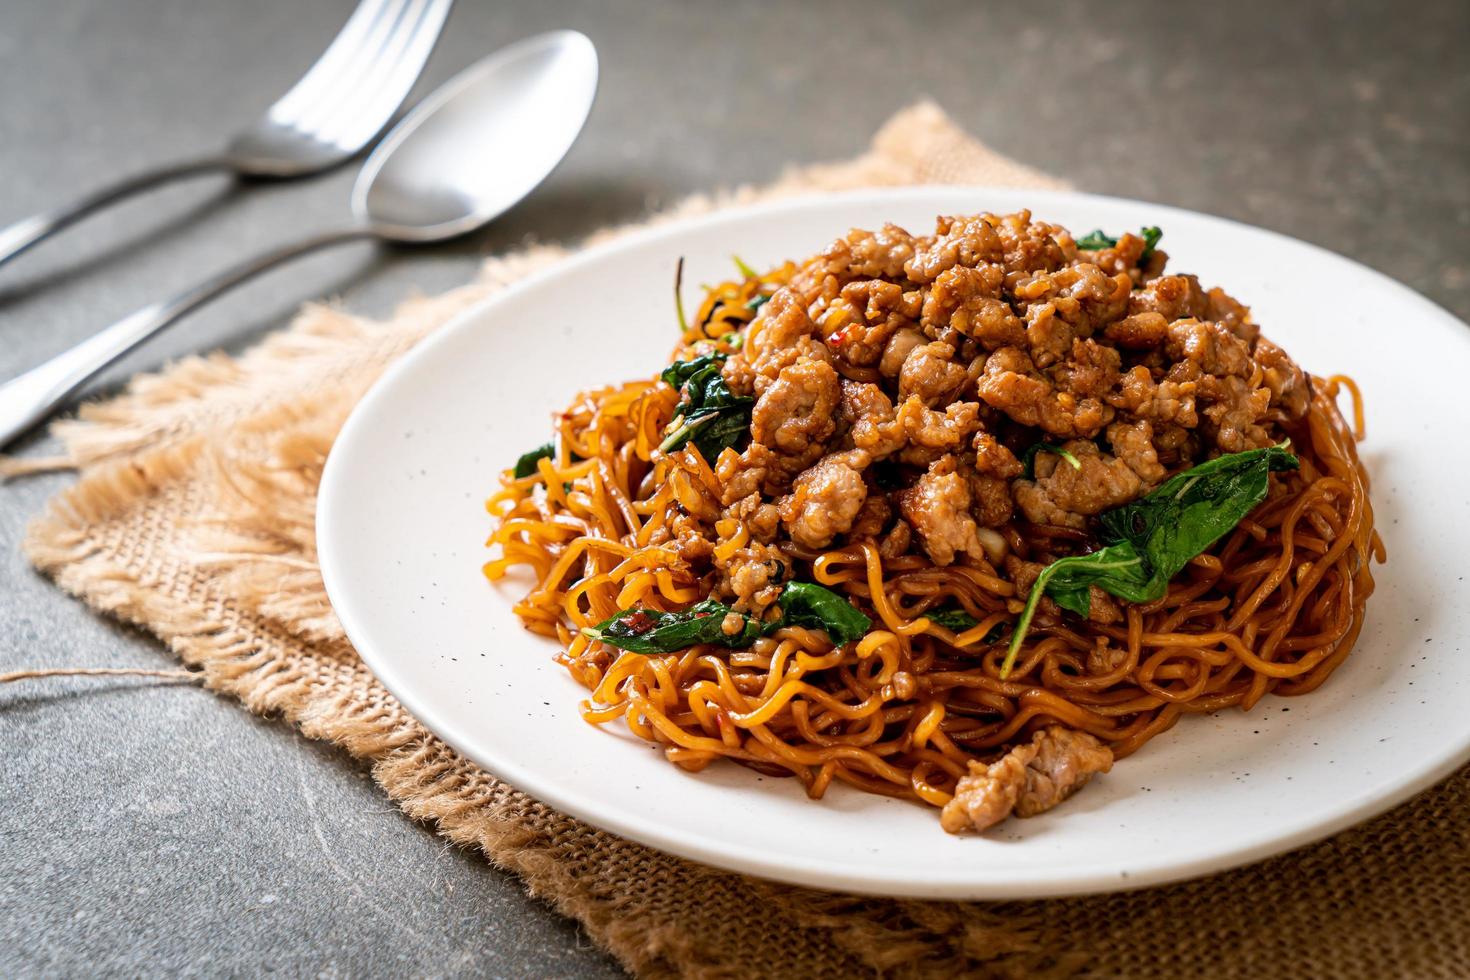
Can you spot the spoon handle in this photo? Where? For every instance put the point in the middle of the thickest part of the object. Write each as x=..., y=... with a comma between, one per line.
x=29, y=398
x=28, y=231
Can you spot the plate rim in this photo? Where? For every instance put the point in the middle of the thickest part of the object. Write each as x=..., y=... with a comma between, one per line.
x=1036, y=883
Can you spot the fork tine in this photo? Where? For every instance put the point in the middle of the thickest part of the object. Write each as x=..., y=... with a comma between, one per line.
x=400, y=66
x=358, y=73
x=367, y=63
x=354, y=68
x=329, y=67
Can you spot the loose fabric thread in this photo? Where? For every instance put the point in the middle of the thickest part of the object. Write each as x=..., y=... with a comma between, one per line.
x=26, y=675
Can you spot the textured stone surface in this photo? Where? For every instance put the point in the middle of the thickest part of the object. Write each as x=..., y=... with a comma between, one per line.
x=1342, y=124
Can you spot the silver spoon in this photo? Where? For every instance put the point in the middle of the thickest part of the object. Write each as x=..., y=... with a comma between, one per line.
x=335, y=110
x=466, y=154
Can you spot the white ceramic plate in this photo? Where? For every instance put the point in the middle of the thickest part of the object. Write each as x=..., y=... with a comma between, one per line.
x=401, y=526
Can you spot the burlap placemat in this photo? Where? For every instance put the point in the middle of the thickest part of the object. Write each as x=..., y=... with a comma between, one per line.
x=193, y=517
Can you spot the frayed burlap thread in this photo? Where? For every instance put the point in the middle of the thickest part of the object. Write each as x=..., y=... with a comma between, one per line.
x=193, y=517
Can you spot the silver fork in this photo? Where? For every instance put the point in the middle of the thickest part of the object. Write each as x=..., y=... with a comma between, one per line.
x=338, y=106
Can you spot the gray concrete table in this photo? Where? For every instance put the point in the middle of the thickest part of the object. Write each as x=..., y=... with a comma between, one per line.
x=148, y=827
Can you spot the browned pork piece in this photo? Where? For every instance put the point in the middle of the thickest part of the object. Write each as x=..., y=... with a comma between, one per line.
x=898, y=380
x=1029, y=779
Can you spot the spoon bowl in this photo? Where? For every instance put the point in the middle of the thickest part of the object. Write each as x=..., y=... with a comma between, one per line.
x=480, y=143
x=338, y=106
x=464, y=156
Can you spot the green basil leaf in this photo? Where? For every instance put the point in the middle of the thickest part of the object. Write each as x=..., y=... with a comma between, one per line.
x=757, y=301
x=954, y=620
x=724, y=431
x=1151, y=236
x=957, y=621
x=1067, y=580
x=652, y=631
x=1096, y=241
x=802, y=604
x=1192, y=510
x=526, y=465
x=1154, y=537
x=811, y=605
x=706, y=390
x=710, y=414
x=681, y=371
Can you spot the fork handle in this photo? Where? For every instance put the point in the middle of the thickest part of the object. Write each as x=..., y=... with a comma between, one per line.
x=28, y=231
x=29, y=398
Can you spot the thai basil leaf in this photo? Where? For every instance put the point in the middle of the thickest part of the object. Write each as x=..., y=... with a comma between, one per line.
x=957, y=621
x=802, y=604
x=711, y=431
x=1151, y=539
x=526, y=465
x=1151, y=236
x=705, y=391
x=1028, y=458
x=725, y=430
x=651, y=631
x=1096, y=241
x=757, y=301
x=710, y=414
x=679, y=372
x=1118, y=568
x=1192, y=510
x=808, y=604
x=954, y=620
